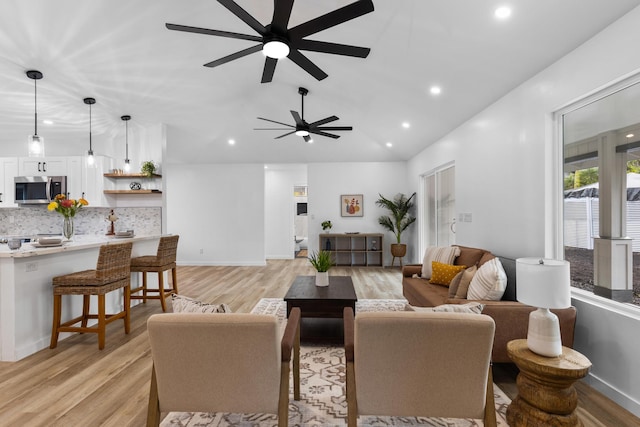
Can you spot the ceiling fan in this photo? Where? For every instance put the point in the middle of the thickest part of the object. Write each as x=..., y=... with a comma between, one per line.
x=304, y=129
x=277, y=41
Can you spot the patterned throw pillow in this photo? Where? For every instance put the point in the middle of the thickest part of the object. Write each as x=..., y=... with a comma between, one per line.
x=465, y=281
x=442, y=274
x=444, y=254
x=470, y=307
x=182, y=304
x=489, y=283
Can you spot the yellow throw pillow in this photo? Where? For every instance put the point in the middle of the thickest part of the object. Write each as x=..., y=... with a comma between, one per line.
x=442, y=274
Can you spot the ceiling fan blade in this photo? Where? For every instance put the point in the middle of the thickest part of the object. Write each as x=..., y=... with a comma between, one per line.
x=334, y=128
x=269, y=69
x=306, y=64
x=234, y=8
x=331, y=19
x=233, y=56
x=271, y=129
x=273, y=121
x=334, y=48
x=286, y=134
x=330, y=135
x=323, y=121
x=307, y=138
x=297, y=118
x=281, y=15
x=210, y=32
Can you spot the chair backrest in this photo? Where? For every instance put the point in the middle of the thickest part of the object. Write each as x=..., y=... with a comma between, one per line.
x=114, y=261
x=167, y=249
x=216, y=362
x=422, y=364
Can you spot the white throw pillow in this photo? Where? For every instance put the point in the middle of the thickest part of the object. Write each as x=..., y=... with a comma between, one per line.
x=182, y=304
x=470, y=307
x=443, y=254
x=489, y=282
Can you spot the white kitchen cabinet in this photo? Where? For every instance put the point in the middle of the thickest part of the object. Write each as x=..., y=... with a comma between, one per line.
x=42, y=166
x=8, y=170
x=74, y=177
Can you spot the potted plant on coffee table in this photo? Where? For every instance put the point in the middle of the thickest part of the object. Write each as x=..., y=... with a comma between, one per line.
x=400, y=219
x=322, y=262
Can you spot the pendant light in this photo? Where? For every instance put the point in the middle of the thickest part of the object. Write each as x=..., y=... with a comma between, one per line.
x=90, y=158
x=127, y=165
x=35, y=143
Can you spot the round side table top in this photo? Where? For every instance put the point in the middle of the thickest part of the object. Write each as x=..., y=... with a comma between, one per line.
x=570, y=364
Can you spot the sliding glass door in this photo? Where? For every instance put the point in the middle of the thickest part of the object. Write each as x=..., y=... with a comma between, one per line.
x=438, y=209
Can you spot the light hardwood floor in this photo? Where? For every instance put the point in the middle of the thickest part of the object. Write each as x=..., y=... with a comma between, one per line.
x=78, y=385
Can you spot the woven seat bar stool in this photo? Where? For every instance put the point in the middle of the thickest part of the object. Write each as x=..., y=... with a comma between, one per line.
x=164, y=260
x=112, y=272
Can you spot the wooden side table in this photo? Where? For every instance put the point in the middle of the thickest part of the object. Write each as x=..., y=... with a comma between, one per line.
x=546, y=395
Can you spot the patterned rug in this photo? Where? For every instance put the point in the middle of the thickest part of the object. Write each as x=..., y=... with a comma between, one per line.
x=322, y=376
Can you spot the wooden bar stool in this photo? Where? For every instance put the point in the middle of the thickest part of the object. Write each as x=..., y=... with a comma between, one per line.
x=112, y=272
x=164, y=260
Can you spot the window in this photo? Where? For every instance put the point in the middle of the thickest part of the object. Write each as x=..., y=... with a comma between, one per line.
x=437, y=213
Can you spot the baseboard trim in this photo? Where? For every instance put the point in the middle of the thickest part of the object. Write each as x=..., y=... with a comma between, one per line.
x=622, y=399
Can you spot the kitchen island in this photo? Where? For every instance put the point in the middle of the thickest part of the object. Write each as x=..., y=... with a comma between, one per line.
x=26, y=297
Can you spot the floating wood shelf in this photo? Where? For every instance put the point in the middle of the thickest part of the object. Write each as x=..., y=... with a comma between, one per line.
x=130, y=175
x=132, y=192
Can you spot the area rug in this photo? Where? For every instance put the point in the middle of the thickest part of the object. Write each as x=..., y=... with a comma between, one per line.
x=322, y=378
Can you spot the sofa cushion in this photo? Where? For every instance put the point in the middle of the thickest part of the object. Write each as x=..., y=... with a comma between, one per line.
x=489, y=282
x=470, y=307
x=442, y=274
x=443, y=254
x=423, y=293
x=465, y=281
x=455, y=282
x=470, y=256
x=182, y=304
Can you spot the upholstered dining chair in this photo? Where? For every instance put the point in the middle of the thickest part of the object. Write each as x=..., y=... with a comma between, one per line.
x=234, y=362
x=419, y=364
x=111, y=273
x=165, y=259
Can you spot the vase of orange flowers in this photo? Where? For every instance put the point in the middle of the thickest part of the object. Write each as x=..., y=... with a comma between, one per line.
x=68, y=209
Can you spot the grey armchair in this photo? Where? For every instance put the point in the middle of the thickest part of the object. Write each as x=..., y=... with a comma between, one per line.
x=222, y=363
x=419, y=364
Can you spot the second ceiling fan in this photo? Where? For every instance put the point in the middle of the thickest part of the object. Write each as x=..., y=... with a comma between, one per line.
x=304, y=129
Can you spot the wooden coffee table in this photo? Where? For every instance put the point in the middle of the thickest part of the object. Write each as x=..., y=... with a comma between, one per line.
x=321, y=306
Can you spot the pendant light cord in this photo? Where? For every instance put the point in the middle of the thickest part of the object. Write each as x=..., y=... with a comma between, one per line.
x=35, y=105
x=126, y=136
x=90, y=146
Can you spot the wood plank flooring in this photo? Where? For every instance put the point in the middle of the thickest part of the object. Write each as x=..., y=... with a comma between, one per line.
x=78, y=385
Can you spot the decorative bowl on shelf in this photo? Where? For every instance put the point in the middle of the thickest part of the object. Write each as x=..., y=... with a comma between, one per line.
x=135, y=186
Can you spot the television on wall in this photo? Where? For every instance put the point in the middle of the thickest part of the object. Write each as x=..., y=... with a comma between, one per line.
x=301, y=208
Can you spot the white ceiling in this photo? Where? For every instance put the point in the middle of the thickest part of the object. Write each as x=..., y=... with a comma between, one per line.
x=120, y=53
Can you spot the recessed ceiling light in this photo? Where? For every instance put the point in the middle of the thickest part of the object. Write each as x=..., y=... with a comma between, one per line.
x=435, y=90
x=630, y=135
x=232, y=141
x=47, y=122
x=503, y=12
x=389, y=144
x=406, y=125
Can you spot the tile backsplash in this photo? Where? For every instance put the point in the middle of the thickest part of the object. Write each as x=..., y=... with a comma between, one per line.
x=28, y=221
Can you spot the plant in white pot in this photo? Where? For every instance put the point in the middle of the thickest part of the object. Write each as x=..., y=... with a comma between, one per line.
x=322, y=262
x=400, y=219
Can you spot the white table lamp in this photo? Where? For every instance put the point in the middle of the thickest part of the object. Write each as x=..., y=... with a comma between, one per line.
x=543, y=283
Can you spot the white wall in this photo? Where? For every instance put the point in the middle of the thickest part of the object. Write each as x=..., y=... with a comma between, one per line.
x=218, y=210
x=327, y=181
x=503, y=158
x=280, y=208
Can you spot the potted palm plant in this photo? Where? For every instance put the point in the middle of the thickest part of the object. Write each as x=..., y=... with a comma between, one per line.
x=399, y=219
x=322, y=262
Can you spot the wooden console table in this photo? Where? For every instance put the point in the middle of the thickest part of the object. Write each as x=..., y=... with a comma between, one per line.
x=546, y=395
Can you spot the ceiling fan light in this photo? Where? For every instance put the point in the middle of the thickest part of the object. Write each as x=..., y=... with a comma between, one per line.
x=275, y=49
x=302, y=132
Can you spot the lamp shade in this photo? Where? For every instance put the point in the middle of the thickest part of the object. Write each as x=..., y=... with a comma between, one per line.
x=543, y=283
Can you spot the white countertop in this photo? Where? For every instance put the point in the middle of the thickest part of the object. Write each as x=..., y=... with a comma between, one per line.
x=78, y=242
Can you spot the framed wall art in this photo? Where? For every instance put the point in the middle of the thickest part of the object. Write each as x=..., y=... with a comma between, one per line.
x=351, y=205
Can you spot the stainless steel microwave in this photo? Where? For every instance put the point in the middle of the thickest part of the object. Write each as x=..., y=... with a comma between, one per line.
x=34, y=190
